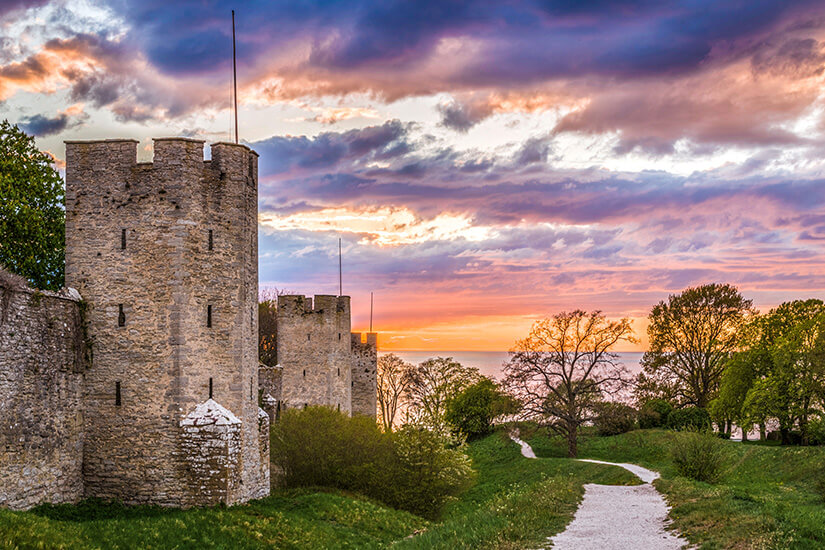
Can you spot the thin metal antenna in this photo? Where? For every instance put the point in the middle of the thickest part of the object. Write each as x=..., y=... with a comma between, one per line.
x=370, y=311
x=340, y=271
x=235, y=76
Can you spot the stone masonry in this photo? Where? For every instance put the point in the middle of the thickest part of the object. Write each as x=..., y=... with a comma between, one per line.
x=43, y=356
x=364, y=374
x=165, y=254
x=319, y=362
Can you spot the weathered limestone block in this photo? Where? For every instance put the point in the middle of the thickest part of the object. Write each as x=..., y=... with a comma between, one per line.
x=211, y=448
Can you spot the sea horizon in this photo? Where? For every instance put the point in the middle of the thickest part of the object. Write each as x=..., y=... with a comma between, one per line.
x=489, y=363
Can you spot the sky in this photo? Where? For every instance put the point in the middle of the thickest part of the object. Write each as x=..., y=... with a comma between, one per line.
x=486, y=164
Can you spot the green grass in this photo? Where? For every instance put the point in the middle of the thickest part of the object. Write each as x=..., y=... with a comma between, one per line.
x=294, y=519
x=515, y=503
x=767, y=497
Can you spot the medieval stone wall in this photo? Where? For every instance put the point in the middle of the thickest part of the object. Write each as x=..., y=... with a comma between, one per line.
x=165, y=253
x=314, y=351
x=42, y=360
x=364, y=374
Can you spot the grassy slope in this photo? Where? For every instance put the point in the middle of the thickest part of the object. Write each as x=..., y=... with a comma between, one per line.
x=516, y=502
x=766, y=500
x=295, y=519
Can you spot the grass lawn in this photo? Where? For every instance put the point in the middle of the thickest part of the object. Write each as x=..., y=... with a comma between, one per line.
x=515, y=503
x=767, y=499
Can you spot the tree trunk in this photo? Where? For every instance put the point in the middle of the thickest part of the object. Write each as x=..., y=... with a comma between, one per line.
x=745, y=430
x=785, y=435
x=762, y=431
x=572, y=440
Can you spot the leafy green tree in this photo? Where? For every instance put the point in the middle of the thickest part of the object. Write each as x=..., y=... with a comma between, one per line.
x=654, y=412
x=692, y=336
x=564, y=367
x=32, y=215
x=431, y=385
x=474, y=409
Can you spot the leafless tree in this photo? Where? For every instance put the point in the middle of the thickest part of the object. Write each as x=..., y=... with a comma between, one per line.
x=564, y=366
x=393, y=381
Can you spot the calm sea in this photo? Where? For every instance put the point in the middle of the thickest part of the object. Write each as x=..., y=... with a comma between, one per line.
x=489, y=362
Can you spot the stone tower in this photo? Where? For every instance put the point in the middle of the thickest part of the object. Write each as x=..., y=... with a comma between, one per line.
x=314, y=351
x=165, y=255
x=365, y=374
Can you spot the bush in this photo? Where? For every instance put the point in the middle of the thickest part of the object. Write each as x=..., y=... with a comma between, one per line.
x=426, y=473
x=689, y=418
x=411, y=470
x=699, y=455
x=653, y=413
x=614, y=418
x=816, y=431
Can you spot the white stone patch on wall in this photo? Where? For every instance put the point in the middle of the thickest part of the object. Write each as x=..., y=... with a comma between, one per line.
x=211, y=446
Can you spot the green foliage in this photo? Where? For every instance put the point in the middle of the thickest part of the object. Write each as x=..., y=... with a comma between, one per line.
x=781, y=373
x=32, y=216
x=653, y=413
x=412, y=469
x=426, y=473
x=614, y=418
x=691, y=337
x=699, y=456
x=473, y=410
x=431, y=385
x=689, y=418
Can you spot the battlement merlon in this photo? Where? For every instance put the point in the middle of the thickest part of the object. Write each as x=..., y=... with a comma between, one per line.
x=371, y=339
x=326, y=304
x=175, y=155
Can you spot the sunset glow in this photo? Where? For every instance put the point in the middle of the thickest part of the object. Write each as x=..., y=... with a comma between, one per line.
x=485, y=164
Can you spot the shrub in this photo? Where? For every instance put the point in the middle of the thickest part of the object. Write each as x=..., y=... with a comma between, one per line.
x=653, y=413
x=411, y=470
x=699, y=455
x=473, y=410
x=614, y=418
x=816, y=432
x=426, y=473
x=689, y=418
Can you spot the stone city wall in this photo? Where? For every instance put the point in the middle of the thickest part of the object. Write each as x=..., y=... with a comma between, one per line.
x=43, y=356
x=314, y=351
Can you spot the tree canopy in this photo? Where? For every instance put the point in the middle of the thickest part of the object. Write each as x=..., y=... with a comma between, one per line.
x=692, y=336
x=32, y=215
x=564, y=367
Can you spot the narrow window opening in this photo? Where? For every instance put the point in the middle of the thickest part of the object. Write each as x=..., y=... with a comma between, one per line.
x=339, y=335
x=305, y=405
x=305, y=373
x=307, y=337
x=123, y=239
x=121, y=316
x=352, y=384
x=209, y=316
x=339, y=407
x=211, y=240
x=210, y=388
x=250, y=387
x=117, y=394
x=339, y=371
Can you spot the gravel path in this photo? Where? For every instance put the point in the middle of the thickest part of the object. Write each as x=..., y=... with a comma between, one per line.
x=617, y=517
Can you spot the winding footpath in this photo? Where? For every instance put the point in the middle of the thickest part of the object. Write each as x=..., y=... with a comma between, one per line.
x=617, y=517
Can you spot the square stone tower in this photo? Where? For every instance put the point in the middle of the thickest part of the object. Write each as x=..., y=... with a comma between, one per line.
x=165, y=255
